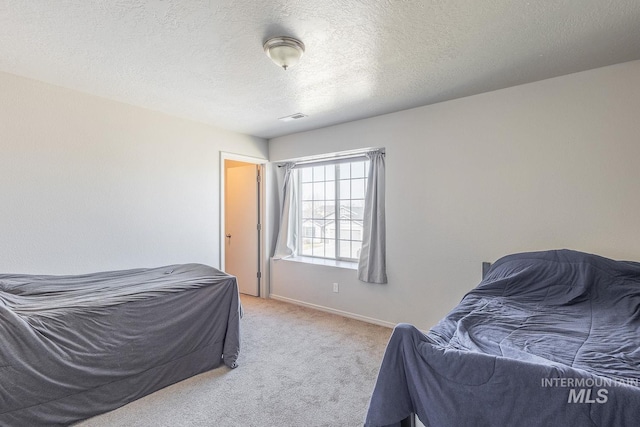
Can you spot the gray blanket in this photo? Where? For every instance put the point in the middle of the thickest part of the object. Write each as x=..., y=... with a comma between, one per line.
x=546, y=339
x=75, y=346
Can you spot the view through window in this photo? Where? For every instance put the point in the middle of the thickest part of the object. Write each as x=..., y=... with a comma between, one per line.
x=332, y=209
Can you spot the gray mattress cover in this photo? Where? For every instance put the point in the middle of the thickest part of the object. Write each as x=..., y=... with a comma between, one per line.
x=546, y=339
x=75, y=346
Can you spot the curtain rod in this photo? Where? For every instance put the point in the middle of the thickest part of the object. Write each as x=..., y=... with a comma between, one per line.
x=332, y=160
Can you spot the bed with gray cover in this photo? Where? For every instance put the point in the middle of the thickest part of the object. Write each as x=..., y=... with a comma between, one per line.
x=75, y=346
x=546, y=339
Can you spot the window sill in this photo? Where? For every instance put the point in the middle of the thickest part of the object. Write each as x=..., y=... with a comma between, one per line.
x=322, y=261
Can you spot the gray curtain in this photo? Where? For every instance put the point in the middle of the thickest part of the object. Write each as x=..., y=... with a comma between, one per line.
x=286, y=243
x=372, y=267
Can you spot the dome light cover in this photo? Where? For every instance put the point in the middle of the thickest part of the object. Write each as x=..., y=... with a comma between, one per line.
x=284, y=51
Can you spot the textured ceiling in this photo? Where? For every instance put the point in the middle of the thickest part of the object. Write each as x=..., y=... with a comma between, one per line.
x=203, y=59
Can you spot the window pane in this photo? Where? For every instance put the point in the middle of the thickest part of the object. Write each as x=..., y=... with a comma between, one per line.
x=307, y=191
x=319, y=210
x=318, y=173
x=330, y=230
x=307, y=229
x=320, y=228
x=345, y=170
x=357, y=188
x=345, y=189
x=318, y=190
x=357, y=209
x=318, y=247
x=330, y=172
x=306, y=175
x=356, y=230
x=345, y=209
x=355, y=249
x=307, y=210
x=330, y=210
x=345, y=249
x=345, y=229
x=357, y=170
x=330, y=248
x=306, y=247
x=330, y=190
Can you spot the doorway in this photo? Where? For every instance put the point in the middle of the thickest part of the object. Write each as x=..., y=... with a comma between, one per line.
x=241, y=229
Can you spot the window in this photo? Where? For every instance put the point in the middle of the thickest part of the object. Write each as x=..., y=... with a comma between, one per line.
x=331, y=209
x=323, y=212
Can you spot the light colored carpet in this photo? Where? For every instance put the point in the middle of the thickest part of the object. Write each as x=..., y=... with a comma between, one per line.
x=297, y=367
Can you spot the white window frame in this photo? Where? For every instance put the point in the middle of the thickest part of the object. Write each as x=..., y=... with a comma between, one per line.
x=338, y=256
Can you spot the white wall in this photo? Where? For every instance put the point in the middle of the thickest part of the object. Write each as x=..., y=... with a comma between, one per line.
x=88, y=184
x=552, y=164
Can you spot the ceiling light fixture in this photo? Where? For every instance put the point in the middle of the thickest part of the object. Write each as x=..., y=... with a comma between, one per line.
x=284, y=51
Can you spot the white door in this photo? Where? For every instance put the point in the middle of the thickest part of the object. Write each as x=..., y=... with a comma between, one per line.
x=242, y=242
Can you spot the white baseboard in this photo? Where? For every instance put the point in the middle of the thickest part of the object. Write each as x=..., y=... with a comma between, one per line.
x=334, y=311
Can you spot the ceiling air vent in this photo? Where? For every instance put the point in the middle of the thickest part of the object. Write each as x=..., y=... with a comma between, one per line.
x=296, y=116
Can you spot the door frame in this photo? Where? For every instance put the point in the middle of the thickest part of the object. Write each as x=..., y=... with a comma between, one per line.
x=263, y=284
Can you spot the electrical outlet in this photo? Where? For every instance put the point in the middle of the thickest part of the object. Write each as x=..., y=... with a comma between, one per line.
x=335, y=287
